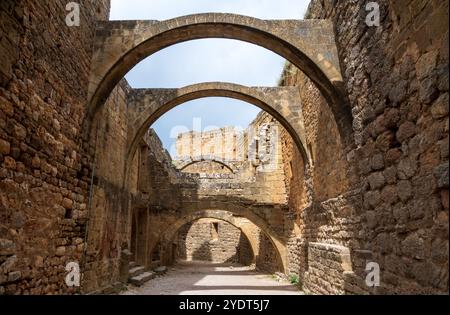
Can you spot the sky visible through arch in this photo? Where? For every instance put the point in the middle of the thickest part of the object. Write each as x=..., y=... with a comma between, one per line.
x=206, y=60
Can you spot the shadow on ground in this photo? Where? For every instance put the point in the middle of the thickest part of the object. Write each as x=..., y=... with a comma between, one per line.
x=201, y=278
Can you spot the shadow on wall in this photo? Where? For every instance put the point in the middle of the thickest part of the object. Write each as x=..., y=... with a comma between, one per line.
x=216, y=242
x=267, y=258
x=203, y=253
x=245, y=251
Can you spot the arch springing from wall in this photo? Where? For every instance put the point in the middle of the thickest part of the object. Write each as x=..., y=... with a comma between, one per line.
x=167, y=237
x=120, y=45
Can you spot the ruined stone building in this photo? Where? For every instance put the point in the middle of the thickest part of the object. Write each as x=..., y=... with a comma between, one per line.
x=225, y=149
x=358, y=174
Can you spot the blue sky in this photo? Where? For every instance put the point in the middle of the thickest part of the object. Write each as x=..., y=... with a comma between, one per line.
x=206, y=60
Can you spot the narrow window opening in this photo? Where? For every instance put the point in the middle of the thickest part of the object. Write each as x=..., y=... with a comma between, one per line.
x=215, y=231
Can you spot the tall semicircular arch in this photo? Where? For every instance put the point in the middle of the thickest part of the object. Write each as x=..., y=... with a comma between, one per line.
x=120, y=45
x=282, y=103
x=225, y=216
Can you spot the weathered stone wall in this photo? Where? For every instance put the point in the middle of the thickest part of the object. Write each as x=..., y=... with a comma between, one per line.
x=213, y=241
x=267, y=259
x=298, y=189
x=44, y=72
x=246, y=255
x=221, y=143
x=201, y=152
x=379, y=194
x=399, y=98
x=326, y=270
x=323, y=139
x=168, y=196
x=108, y=217
x=393, y=206
x=319, y=194
x=158, y=179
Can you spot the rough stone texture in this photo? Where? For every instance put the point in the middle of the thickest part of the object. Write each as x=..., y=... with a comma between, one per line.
x=108, y=223
x=395, y=205
x=308, y=44
x=213, y=241
x=262, y=196
x=327, y=265
x=363, y=179
x=44, y=70
x=267, y=259
x=218, y=151
x=194, y=278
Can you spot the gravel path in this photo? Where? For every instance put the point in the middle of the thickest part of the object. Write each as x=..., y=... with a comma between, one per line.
x=211, y=279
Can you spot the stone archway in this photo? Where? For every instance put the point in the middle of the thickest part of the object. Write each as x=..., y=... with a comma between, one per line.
x=120, y=45
x=184, y=164
x=147, y=105
x=166, y=238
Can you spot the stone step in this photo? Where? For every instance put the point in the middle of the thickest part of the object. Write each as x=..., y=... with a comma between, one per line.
x=132, y=264
x=136, y=271
x=142, y=278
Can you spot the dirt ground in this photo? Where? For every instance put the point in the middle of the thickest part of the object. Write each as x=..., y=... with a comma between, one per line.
x=197, y=278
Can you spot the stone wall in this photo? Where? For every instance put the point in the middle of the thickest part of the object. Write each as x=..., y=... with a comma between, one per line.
x=246, y=255
x=267, y=259
x=259, y=144
x=44, y=72
x=207, y=167
x=224, y=243
x=298, y=257
x=393, y=206
x=326, y=270
x=221, y=143
x=212, y=241
x=108, y=217
x=401, y=125
x=158, y=178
